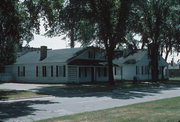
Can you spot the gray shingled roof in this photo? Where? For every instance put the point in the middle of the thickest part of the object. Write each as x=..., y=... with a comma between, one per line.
x=132, y=58
x=60, y=55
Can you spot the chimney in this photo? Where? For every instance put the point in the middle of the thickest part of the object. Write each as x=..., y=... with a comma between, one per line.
x=43, y=52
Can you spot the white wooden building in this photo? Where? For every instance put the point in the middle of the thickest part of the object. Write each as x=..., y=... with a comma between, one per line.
x=137, y=65
x=74, y=65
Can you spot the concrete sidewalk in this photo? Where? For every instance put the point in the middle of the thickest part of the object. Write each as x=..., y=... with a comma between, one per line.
x=21, y=86
x=28, y=110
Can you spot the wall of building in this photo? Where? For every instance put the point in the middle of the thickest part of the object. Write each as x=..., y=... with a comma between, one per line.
x=31, y=75
x=129, y=71
x=174, y=72
x=6, y=75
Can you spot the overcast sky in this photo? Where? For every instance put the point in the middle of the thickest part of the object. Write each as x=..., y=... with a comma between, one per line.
x=53, y=43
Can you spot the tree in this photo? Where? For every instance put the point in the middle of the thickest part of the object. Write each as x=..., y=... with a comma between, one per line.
x=152, y=18
x=170, y=35
x=14, y=29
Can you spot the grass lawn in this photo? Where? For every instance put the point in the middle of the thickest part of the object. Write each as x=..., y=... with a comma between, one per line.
x=166, y=110
x=16, y=94
x=175, y=79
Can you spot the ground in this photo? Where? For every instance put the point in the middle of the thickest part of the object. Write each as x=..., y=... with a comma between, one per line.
x=164, y=110
x=69, y=99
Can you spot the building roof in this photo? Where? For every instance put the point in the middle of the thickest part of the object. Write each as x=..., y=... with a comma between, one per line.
x=24, y=50
x=133, y=58
x=60, y=55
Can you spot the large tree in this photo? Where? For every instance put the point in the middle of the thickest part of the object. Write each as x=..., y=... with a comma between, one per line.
x=154, y=23
x=15, y=27
x=170, y=35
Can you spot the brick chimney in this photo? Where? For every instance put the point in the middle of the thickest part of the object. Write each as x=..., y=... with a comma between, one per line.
x=43, y=52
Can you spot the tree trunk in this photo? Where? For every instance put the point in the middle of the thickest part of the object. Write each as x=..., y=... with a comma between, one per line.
x=143, y=44
x=154, y=55
x=72, y=38
x=110, y=67
x=155, y=70
x=167, y=53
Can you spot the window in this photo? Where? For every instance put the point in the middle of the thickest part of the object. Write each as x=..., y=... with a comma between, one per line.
x=136, y=70
x=18, y=71
x=44, y=71
x=37, y=71
x=23, y=71
x=57, y=71
x=79, y=72
x=51, y=71
x=64, y=71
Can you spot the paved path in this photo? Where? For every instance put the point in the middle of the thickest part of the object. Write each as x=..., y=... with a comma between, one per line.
x=28, y=110
x=20, y=86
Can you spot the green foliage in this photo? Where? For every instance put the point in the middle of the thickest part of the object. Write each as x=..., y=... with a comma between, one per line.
x=15, y=28
x=156, y=21
x=9, y=36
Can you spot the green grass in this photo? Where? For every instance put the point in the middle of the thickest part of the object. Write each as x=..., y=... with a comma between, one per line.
x=166, y=110
x=175, y=79
x=17, y=94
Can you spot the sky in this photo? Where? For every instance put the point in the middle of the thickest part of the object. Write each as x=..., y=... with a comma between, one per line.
x=52, y=43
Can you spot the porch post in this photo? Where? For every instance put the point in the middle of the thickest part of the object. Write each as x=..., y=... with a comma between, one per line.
x=94, y=68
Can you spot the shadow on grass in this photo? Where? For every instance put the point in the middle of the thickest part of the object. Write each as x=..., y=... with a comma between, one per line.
x=18, y=109
x=124, y=90
x=16, y=94
x=5, y=93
